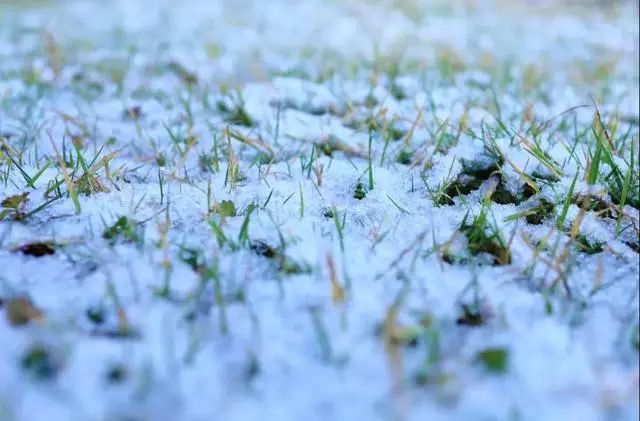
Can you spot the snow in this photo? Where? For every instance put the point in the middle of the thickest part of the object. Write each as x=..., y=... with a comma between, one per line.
x=285, y=346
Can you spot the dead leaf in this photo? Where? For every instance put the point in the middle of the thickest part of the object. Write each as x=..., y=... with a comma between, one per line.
x=21, y=311
x=37, y=249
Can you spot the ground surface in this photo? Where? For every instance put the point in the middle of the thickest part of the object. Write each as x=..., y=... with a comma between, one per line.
x=318, y=210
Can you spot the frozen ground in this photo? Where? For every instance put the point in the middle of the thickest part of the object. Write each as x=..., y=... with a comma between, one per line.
x=343, y=210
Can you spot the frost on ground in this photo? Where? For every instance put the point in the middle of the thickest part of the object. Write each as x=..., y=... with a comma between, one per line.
x=344, y=210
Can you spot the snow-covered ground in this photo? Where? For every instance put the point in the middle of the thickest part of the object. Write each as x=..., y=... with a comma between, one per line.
x=312, y=210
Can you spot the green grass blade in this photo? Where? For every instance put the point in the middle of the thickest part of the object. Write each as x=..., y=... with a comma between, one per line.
x=567, y=201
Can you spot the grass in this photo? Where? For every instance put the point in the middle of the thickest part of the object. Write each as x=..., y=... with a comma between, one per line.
x=472, y=176
x=370, y=165
x=235, y=113
x=562, y=217
x=535, y=215
x=285, y=264
x=472, y=315
x=484, y=237
x=30, y=180
x=333, y=213
x=360, y=191
x=321, y=334
x=124, y=229
x=494, y=360
x=237, y=221
x=39, y=362
x=619, y=182
x=13, y=207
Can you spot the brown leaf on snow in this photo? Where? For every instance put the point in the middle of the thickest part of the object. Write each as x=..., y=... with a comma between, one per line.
x=37, y=248
x=20, y=311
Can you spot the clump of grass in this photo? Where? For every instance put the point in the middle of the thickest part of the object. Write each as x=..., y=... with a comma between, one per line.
x=225, y=209
x=13, y=207
x=161, y=160
x=124, y=229
x=184, y=74
x=121, y=331
x=40, y=362
x=547, y=177
x=423, y=333
x=264, y=249
x=449, y=63
x=431, y=371
x=504, y=196
x=235, y=113
x=243, y=234
x=286, y=265
x=8, y=152
x=96, y=315
x=339, y=224
x=452, y=258
x=360, y=191
x=209, y=275
x=461, y=186
x=307, y=107
x=438, y=196
x=393, y=71
x=370, y=101
x=207, y=162
x=623, y=186
x=494, y=360
x=472, y=314
x=404, y=157
x=132, y=113
x=408, y=335
x=484, y=237
x=537, y=214
x=331, y=144
x=595, y=204
x=588, y=246
x=88, y=182
x=328, y=146
x=633, y=245
x=473, y=174
x=321, y=334
x=252, y=368
x=87, y=86
x=192, y=257
x=116, y=373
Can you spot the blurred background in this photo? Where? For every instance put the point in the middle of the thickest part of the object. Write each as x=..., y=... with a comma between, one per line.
x=244, y=40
